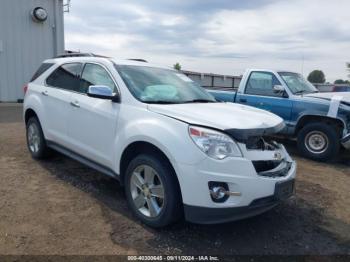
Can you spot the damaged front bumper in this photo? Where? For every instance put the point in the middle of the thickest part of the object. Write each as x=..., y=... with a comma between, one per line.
x=261, y=179
x=204, y=215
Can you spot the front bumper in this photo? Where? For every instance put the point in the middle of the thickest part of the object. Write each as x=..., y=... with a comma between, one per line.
x=256, y=190
x=205, y=215
x=345, y=141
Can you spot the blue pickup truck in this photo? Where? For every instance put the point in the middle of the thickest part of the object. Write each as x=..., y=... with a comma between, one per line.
x=319, y=121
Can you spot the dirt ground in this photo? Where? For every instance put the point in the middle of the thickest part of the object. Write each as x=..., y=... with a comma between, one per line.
x=59, y=206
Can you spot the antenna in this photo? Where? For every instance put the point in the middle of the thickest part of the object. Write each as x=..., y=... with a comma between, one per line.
x=302, y=63
x=66, y=6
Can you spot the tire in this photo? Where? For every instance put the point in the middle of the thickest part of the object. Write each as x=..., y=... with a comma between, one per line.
x=35, y=139
x=143, y=191
x=318, y=141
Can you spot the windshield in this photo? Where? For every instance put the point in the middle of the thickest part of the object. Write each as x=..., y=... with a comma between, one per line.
x=162, y=86
x=297, y=83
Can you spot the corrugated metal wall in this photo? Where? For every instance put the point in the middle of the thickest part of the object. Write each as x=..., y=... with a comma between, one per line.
x=24, y=44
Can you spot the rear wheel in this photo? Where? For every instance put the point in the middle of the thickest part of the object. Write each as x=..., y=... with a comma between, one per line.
x=35, y=139
x=152, y=191
x=318, y=141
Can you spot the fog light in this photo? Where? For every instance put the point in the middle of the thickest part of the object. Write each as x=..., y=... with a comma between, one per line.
x=218, y=191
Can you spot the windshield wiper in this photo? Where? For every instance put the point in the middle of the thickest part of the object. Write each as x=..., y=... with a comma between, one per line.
x=200, y=101
x=301, y=92
x=163, y=102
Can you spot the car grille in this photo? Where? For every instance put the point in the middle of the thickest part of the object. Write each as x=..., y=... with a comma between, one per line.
x=261, y=143
x=272, y=168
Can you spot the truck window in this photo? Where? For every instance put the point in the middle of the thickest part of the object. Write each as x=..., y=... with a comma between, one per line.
x=261, y=83
x=297, y=84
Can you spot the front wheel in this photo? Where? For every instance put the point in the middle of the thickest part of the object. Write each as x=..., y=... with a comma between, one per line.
x=318, y=141
x=152, y=191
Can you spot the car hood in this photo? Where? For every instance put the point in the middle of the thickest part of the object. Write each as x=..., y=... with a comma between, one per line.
x=342, y=96
x=224, y=116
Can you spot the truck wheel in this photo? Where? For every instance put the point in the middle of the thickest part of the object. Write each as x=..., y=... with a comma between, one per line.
x=318, y=141
x=152, y=191
x=35, y=139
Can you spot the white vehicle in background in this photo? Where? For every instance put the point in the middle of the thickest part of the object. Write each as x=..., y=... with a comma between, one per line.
x=173, y=147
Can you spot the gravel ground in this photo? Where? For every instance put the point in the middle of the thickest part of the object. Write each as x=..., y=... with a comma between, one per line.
x=59, y=206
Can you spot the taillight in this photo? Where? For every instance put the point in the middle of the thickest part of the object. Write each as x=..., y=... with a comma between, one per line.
x=25, y=88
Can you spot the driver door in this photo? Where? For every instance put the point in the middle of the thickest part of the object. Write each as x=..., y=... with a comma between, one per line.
x=93, y=122
x=259, y=93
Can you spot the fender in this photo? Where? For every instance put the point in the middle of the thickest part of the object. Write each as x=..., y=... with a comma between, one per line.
x=315, y=108
x=157, y=130
x=302, y=117
x=37, y=106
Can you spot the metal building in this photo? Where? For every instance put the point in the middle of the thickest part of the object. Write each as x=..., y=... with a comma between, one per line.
x=30, y=31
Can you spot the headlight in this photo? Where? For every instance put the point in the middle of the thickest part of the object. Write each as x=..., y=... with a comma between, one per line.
x=215, y=144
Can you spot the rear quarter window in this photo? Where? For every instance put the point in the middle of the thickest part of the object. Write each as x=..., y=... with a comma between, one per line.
x=66, y=76
x=43, y=67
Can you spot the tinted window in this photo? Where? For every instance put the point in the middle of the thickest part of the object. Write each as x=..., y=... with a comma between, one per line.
x=43, y=67
x=261, y=83
x=66, y=77
x=95, y=75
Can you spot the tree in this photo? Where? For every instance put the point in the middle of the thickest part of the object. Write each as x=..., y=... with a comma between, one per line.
x=317, y=77
x=348, y=67
x=341, y=81
x=177, y=66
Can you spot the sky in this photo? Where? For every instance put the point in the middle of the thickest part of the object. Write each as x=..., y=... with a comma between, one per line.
x=217, y=36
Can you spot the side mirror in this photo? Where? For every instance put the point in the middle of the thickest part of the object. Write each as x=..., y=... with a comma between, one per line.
x=278, y=89
x=103, y=92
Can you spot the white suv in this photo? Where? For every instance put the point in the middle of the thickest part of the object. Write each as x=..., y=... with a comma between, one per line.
x=174, y=148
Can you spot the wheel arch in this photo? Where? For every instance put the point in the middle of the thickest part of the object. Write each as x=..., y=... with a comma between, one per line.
x=307, y=119
x=30, y=113
x=142, y=147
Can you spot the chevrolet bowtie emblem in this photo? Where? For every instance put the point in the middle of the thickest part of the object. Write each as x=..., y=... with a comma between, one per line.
x=278, y=156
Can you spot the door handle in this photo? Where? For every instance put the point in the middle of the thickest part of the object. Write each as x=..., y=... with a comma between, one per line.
x=45, y=93
x=261, y=104
x=75, y=104
x=243, y=100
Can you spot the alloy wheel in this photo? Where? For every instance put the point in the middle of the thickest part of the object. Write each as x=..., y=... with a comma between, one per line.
x=147, y=191
x=33, y=138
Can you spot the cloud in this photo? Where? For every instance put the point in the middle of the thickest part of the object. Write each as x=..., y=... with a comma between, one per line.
x=222, y=36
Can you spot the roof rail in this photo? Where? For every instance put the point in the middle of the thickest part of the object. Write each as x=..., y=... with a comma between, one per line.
x=138, y=60
x=73, y=54
x=77, y=54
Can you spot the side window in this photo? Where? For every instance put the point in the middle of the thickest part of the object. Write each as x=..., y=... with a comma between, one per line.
x=95, y=75
x=261, y=83
x=65, y=77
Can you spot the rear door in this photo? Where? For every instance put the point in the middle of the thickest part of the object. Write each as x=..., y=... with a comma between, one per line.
x=57, y=96
x=259, y=93
x=92, y=123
